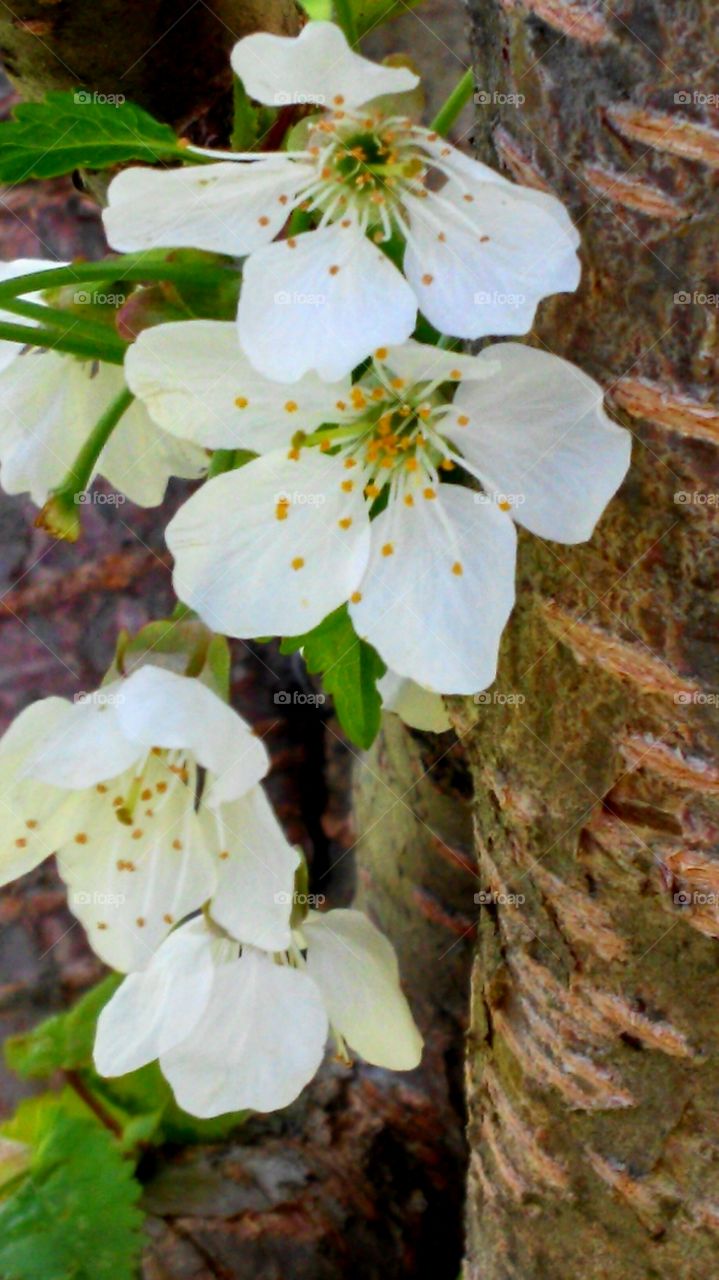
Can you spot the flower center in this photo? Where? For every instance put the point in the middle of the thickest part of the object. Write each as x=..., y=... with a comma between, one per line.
x=162, y=772
x=391, y=432
x=368, y=163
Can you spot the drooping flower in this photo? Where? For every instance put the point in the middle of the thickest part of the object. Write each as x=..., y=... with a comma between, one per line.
x=234, y=1027
x=417, y=707
x=480, y=252
x=276, y=546
x=49, y=403
x=111, y=784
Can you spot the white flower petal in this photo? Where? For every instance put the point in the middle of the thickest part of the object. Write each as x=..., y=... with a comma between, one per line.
x=317, y=66
x=154, y=1010
x=261, y=551
x=26, y=806
x=139, y=458
x=356, y=970
x=162, y=709
x=439, y=589
x=417, y=362
x=417, y=707
x=85, y=746
x=481, y=260
x=229, y=207
x=538, y=433
x=260, y=1041
x=323, y=301
x=255, y=871
x=43, y=421
x=197, y=383
x=10, y=271
x=129, y=884
x=49, y=404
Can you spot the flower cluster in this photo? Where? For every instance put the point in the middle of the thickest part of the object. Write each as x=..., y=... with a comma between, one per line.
x=361, y=466
x=149, y=792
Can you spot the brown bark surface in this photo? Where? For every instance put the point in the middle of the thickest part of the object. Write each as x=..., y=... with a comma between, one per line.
x=594, y=1043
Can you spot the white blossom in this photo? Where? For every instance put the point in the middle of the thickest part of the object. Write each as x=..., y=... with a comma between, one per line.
x=275, y=546
x=480, y=252
x=49, y=404
x=235, y=1027
x=111, y=782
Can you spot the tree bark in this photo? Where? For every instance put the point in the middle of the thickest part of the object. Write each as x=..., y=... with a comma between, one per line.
x=594, y=1044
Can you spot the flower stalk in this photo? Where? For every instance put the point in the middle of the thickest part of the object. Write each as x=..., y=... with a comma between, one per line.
x=60, y=516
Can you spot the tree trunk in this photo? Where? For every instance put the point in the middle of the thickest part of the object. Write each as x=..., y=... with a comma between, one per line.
x=594, y=1041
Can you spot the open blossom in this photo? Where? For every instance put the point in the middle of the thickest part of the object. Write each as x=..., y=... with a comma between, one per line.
x=49, y=403
x=111, y=784
x=277, y=545
x=234, y=1027
x=480, y=252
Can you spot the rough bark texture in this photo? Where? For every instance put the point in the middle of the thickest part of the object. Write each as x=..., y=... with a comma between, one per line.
x=594, y=1042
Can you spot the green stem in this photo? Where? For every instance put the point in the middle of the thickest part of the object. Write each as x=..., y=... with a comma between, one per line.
x=346, y=20
x=451, y=107
x=60, y=515
x=108, y=349
x=52, y=318
x=128, y=266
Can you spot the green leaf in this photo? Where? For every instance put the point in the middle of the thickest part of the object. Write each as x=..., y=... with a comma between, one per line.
x=319, y=10
x=61, y=1043
x=74, y=1215
x=249, y=123
x=350, y=669
x=72, y=130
